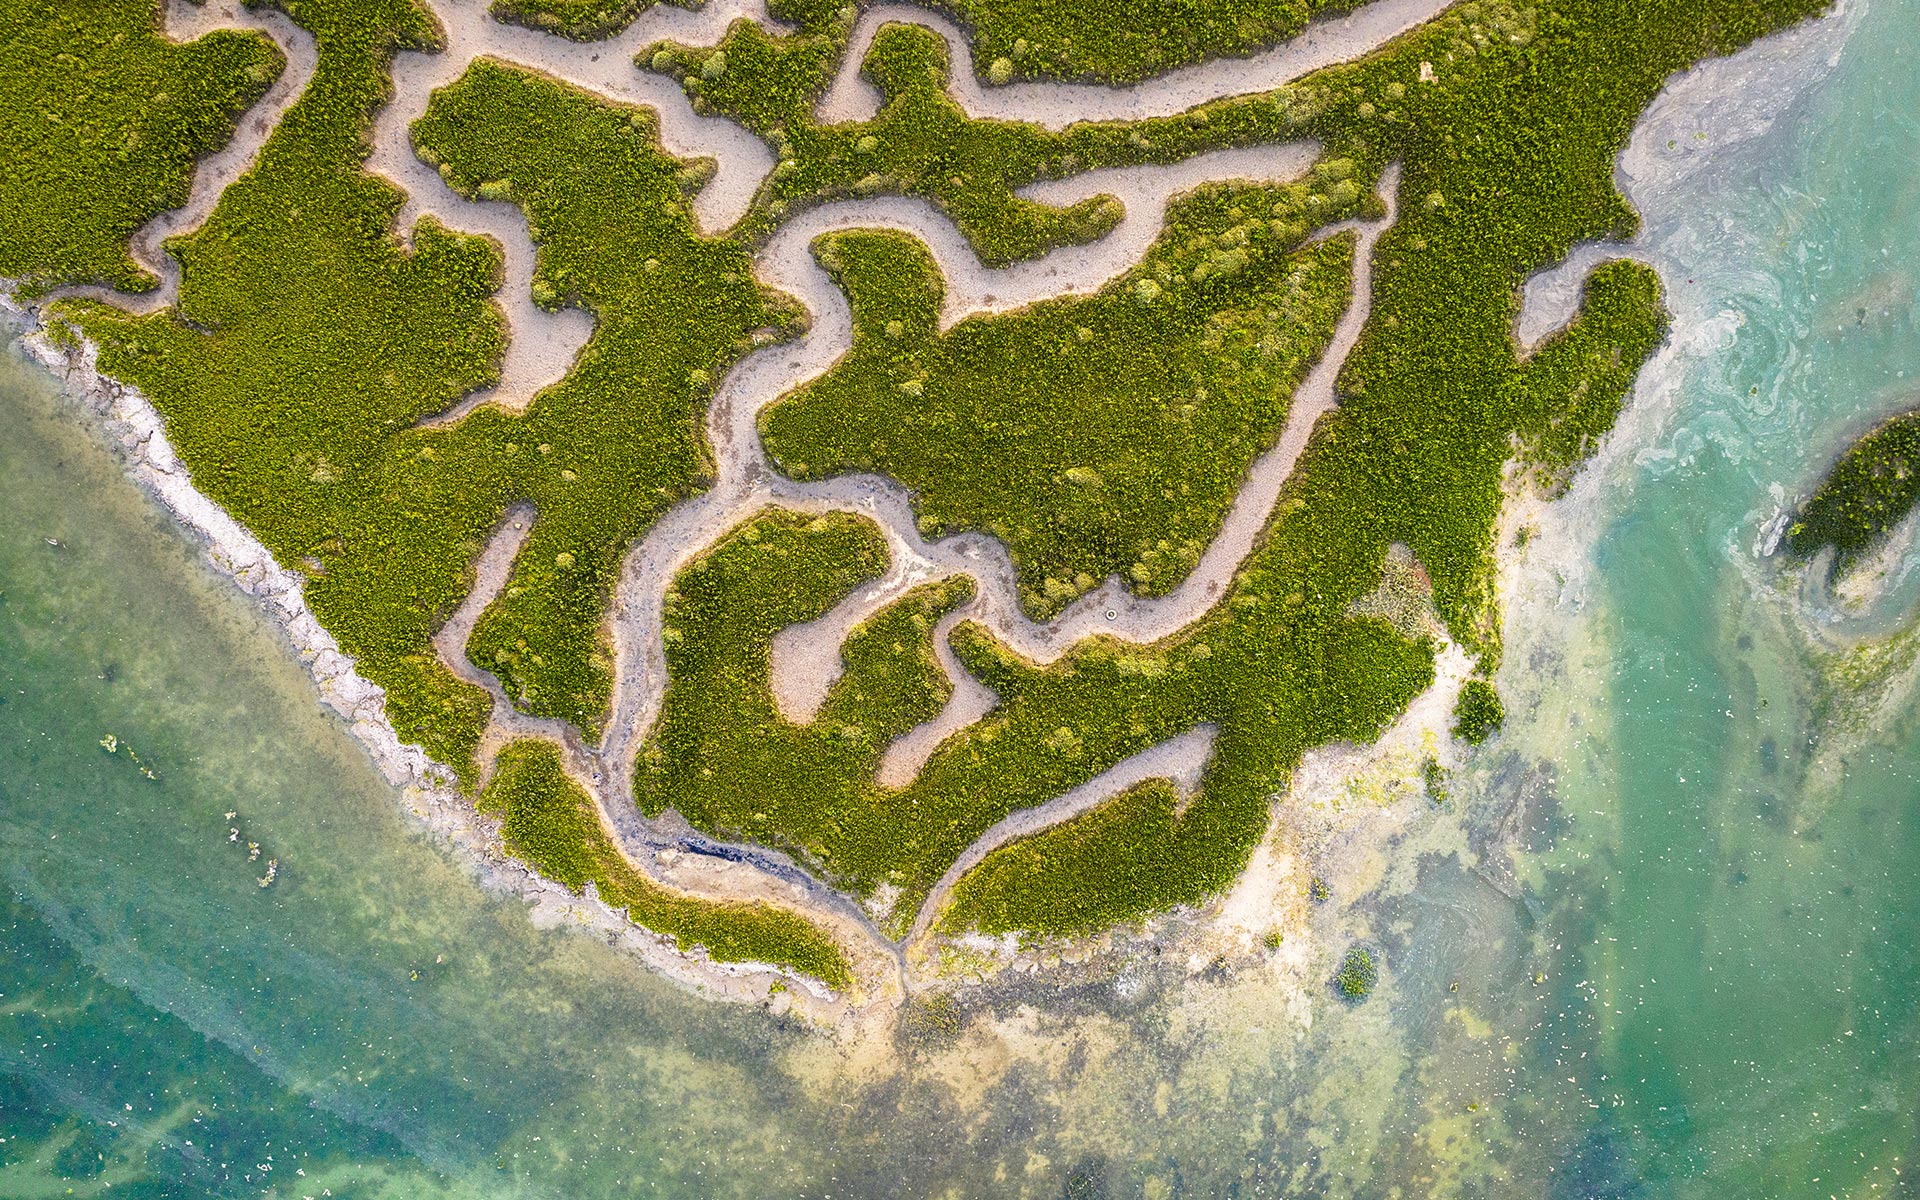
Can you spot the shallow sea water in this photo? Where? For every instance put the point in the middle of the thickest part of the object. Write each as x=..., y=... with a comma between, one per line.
x=1695, y=976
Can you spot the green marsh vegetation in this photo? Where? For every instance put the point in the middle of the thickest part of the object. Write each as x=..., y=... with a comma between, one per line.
x=723, y=755
x=920, y=143
x=1867, y=492
x=583, y=20
x=104, y=119
x=305, y=340
x=608, y=449
x=1506, y=157
x=309, y=342
x=1096, y=435
x=1478, y=712
x=1134, y=832
x=1070, y=39
x=1276, y=679
x=1019, y=39
x=388, y=518
x=551, y=824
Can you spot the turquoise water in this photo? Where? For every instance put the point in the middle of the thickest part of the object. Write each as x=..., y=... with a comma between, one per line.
x=1696, y=976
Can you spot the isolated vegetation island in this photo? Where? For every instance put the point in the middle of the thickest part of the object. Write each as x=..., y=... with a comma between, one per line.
x=303, y=364
x=1871, y=488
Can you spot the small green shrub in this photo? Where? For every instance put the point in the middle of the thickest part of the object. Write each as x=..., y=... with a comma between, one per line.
x=1478, y=712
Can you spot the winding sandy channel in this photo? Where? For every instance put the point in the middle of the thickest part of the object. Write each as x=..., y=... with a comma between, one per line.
x=542, y=346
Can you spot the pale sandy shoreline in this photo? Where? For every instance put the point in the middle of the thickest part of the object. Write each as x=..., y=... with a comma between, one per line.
x=541, y=348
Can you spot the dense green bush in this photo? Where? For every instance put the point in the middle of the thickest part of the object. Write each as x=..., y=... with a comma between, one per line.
x=1868, y=491
x=550, y=823
x=103, y=120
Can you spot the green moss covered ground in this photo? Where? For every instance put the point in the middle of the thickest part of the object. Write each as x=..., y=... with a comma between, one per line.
x=550, y=823
x=1872, y=488
x=309, y=342
x=103, y=121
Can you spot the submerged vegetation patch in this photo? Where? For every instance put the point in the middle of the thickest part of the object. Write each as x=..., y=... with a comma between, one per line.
x=311, y=347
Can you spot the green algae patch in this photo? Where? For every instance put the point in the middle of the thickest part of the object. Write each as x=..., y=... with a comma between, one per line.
x=1122, y=43
x=1094, y=436
x=549, y=822
x=1871, y=489
x=104, y=119
x=723, y=755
